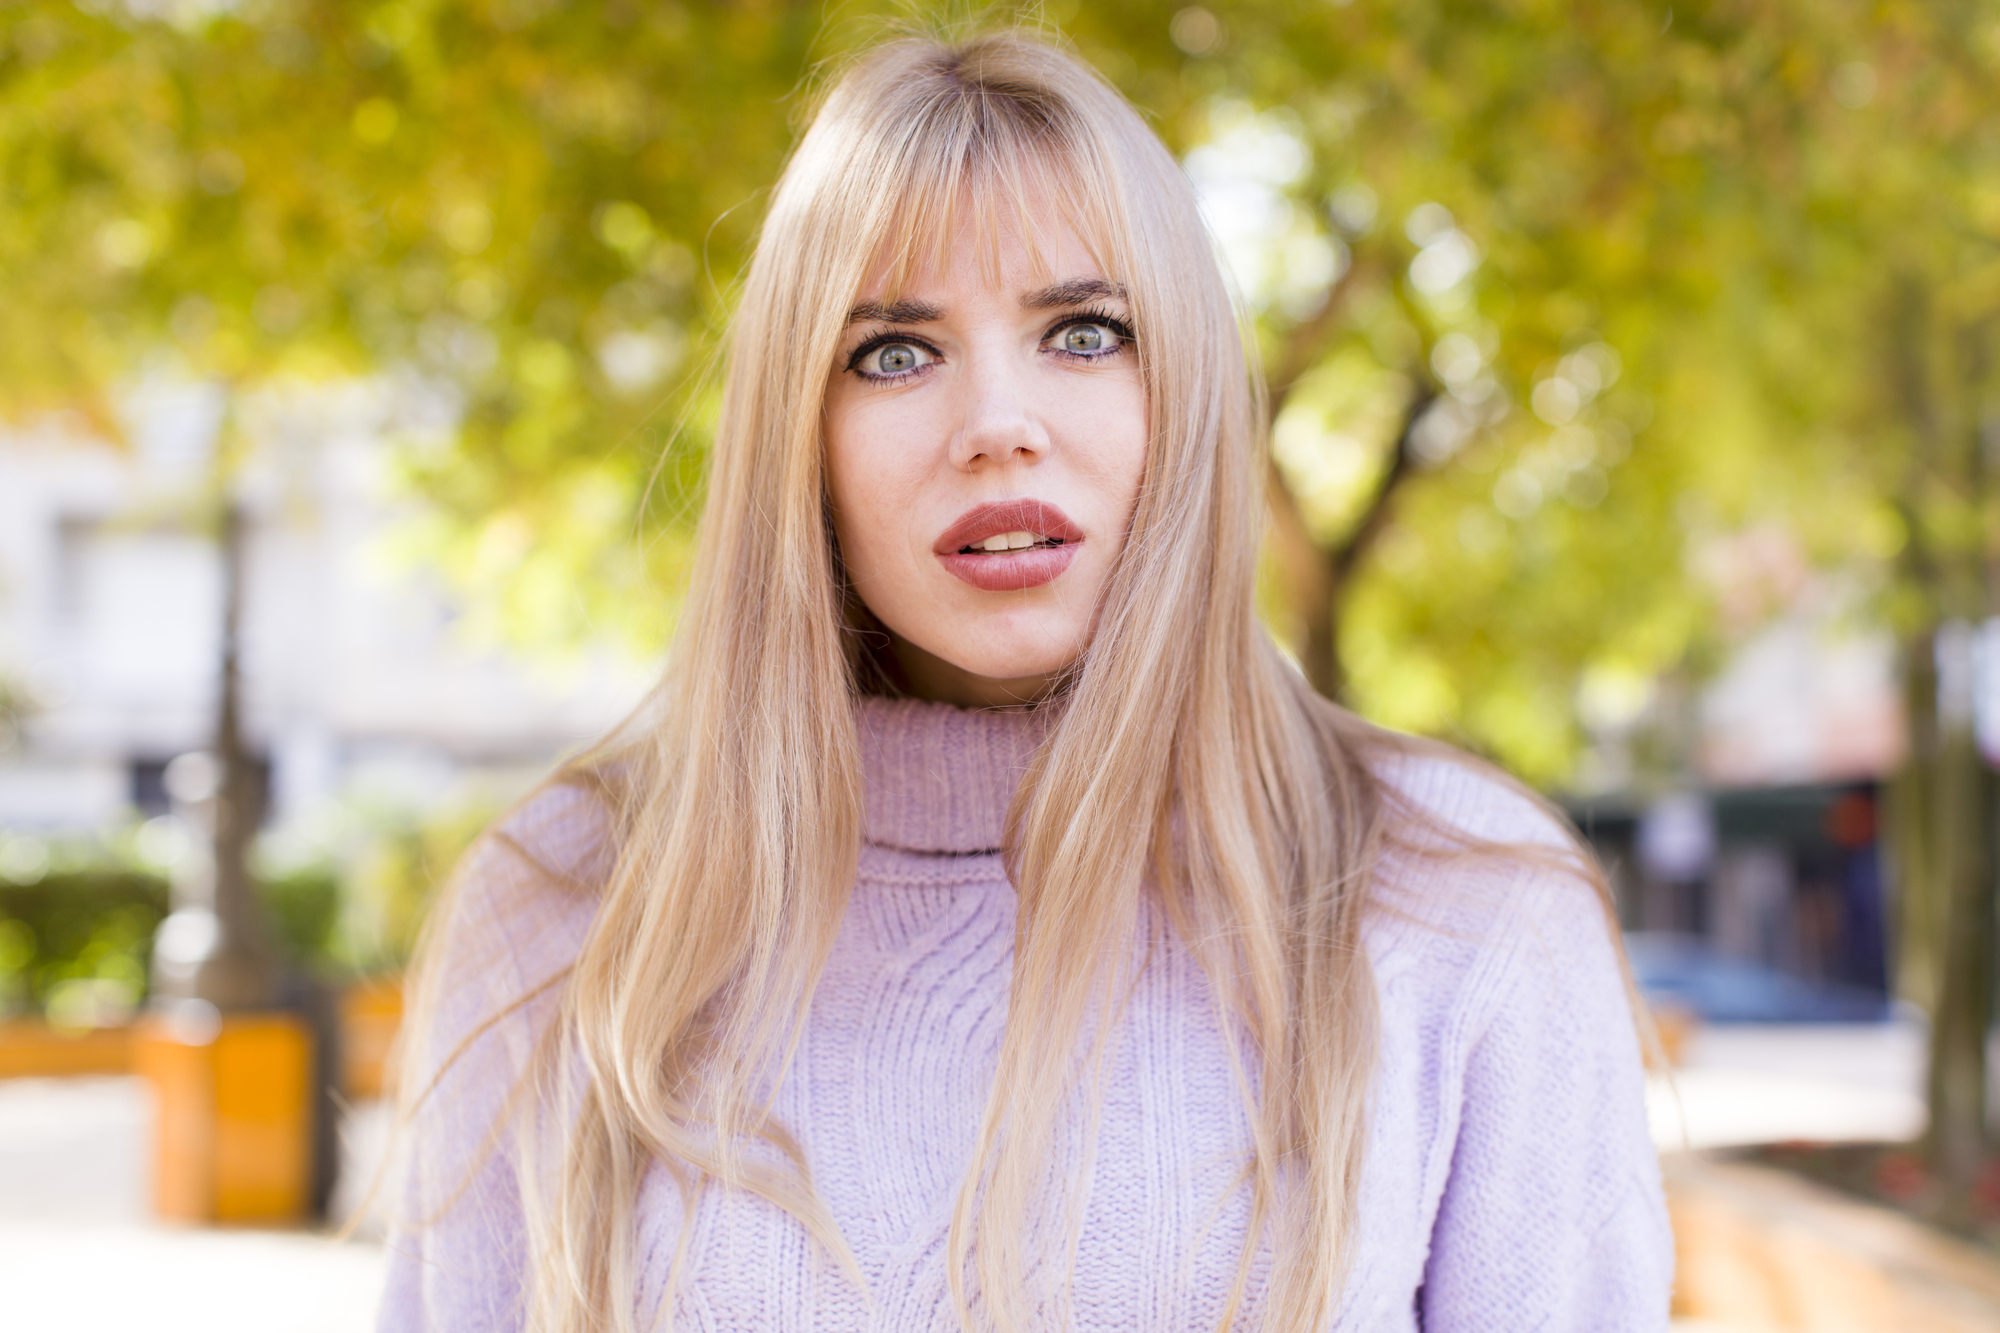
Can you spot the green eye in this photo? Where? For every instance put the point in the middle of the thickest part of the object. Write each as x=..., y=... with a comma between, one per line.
x=1083, y=338
x=896, y=358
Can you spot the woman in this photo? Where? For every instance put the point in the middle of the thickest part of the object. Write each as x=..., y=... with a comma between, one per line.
x=983, y=925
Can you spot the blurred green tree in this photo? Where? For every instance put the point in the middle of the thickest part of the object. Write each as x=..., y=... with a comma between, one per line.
x=534, y=217
x=1458, y=216
x=538, y=208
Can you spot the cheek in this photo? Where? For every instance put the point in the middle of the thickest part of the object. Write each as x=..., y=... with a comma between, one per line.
x=1108, y=437
x=870, y=496
x=844, y=471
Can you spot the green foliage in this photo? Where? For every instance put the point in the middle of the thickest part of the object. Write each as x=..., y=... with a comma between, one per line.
x=1779, y=219
x=1782, y=219
x=302, y=910
x=391, y=881
x=15, y=710
x=77, y=945
x=542, y=208
x=76, y=941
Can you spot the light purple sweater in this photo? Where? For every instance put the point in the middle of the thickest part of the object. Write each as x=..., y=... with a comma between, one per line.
x=1510, y=1182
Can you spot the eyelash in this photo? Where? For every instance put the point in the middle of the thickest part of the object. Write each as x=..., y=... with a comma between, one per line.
x=889, y=337
x=1093, y=316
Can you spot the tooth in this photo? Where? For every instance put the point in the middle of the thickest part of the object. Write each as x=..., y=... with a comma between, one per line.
x=997, y=542
x=1020, y=541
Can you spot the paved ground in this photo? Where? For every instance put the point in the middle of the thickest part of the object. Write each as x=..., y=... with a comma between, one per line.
x=1767, y=1250
x=69, y=1277
x=79, y=1254
x=1745, y=1084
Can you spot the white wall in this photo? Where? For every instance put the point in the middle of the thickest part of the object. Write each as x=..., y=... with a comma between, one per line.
x=110, y=596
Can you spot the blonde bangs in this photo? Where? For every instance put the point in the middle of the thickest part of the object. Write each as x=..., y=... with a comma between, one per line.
x=985, y=164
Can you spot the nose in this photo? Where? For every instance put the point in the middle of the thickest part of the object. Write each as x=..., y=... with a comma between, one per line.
x=997, y=421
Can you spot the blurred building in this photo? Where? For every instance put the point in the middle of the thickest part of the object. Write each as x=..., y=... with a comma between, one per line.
x=1753, y=882
x=356, y=677
x=1762, y=904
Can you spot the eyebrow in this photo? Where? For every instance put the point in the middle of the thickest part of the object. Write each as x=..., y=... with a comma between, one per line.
x=895, y=312
x=1076, y=291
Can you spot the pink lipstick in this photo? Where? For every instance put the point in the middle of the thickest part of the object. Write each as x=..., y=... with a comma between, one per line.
x=1009, y=545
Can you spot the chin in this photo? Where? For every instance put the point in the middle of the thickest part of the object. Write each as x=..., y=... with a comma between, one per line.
x=1036, y=669
x=1051, y=653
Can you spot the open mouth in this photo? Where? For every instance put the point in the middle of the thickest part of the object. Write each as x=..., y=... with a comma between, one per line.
x=1010, y=541
x=1009, y=545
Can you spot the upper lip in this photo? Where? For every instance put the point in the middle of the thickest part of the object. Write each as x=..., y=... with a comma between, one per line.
x=978, y=523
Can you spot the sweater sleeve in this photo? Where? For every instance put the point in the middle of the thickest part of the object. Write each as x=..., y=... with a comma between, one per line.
x=457, y=1244
x=1552, y=1218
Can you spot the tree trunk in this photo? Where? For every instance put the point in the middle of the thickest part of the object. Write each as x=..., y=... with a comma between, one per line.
x=1316, y=576
x=1961, y=808
x=1306, y=571
x=1946, y=802
x=1919, y=920
x=1374, y=518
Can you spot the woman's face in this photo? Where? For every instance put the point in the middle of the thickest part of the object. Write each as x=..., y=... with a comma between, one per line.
x=985, y=438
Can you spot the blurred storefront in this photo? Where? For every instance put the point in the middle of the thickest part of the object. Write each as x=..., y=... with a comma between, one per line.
x=1753, y=904
x=1750, y=873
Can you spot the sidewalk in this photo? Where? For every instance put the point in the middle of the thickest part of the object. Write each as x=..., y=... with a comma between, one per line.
x=1743, y=1084
x=80, y=1253
x=1760, y=1249
x=81, y=1277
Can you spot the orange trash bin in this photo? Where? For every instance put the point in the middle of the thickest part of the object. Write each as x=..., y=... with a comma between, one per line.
x=371, y=1013
x=233, y=1101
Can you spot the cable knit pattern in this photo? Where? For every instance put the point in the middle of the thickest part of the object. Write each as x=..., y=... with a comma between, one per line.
x=1510, y=1182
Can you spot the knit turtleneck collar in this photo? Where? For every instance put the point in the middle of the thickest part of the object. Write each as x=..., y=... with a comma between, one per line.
x=940, y=778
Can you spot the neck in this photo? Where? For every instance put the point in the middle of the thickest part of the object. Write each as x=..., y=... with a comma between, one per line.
x=928, y=676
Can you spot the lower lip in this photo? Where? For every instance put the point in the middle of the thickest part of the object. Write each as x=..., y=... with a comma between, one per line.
x=1011, y=571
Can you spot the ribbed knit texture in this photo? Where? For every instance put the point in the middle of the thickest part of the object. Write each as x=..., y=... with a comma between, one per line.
x=1510, y=1181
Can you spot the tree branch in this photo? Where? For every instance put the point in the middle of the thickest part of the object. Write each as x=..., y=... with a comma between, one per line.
x=1304, y=568
x=1314, y=575
x=1376, y=513
x=1306, y=340
x=1306, y=576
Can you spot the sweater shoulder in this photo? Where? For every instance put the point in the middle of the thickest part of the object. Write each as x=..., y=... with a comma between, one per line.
x=1477, y=875
x=1467, y=799
x=565, y=833
x=523, y=899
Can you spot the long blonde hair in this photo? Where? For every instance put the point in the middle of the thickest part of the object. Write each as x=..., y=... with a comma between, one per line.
x=1189, y=759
